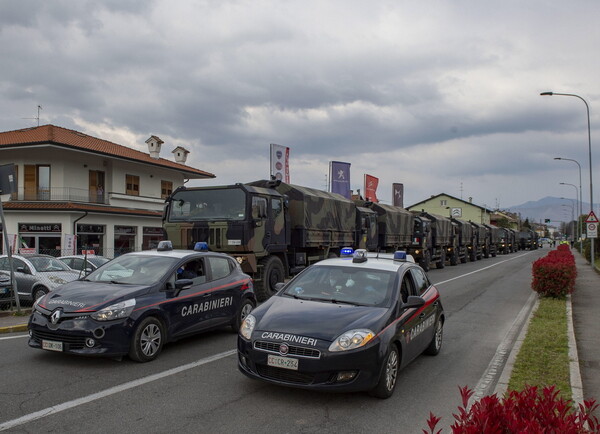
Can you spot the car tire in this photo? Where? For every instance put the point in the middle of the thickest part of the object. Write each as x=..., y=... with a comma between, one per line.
x=389, y=374
x=272, y=274
x=241, y=314
x=436, y=342
x=39, y=292
x=147, y=341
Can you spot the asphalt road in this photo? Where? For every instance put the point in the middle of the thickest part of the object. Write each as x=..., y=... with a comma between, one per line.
x=194, y=386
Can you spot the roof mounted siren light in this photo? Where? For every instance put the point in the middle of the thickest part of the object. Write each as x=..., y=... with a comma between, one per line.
x=346, y=252
x=360, y=255
x=400, y=256
x=164, y=246
x=201, y=246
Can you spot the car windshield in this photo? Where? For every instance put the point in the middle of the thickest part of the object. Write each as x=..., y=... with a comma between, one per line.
x=208, y=204
x=97, y=260
x=134, y=269
x=45, y=264
x=359, y=286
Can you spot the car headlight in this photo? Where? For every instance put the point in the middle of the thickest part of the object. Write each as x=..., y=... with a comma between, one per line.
x=247, y=326
x=115, y=311
x=352, y=339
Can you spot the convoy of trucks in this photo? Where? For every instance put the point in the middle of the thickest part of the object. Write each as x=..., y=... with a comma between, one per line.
x=275, y=230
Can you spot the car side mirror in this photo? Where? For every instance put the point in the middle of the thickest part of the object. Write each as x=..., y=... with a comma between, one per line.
x=413, y=301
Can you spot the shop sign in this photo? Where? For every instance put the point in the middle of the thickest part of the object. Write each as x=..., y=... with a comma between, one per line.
x=90, y=229
x=40, y=227
x=152, y=231
x=125, y=230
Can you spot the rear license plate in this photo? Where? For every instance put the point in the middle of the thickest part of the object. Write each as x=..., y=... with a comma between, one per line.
x=52, y=345
x=282, y=362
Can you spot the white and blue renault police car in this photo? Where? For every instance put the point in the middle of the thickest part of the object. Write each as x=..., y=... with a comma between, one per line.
x=137, y=302
x=344, y=324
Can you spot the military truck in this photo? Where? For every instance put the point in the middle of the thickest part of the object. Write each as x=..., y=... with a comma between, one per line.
x=431, y=235
x=481, y=244
x=528, y=239
x=394, y=227
x=463, y=242
x=273, y=229
x=494, y=234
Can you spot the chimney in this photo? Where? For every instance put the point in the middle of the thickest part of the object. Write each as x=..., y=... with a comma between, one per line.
x=180, y=154
x=470, y=200
x=154, y=146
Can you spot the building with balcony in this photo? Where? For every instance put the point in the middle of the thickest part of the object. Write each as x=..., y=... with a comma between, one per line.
x=68, y=183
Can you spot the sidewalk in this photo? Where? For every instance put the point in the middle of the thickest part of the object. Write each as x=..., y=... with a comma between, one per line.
x=586, y=315
x=10, y=323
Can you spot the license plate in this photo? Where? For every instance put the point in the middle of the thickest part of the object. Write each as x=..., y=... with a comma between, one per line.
x=282, y=362
x=52, y=345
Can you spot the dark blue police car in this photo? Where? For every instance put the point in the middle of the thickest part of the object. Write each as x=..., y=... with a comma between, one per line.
x=344, y=324
x=139, y=301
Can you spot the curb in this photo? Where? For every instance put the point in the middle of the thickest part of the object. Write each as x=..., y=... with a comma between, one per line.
x=574, y=371
x=14, y=329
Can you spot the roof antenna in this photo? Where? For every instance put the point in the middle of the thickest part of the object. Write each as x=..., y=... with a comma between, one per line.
x=39, y=107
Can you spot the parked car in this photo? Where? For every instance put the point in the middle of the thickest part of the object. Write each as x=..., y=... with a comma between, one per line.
x=85, y=263
x=37, y=274
x=5, y=291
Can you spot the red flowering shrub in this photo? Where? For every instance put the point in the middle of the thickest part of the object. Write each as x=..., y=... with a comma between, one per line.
x=554, y=274
x=527, y=411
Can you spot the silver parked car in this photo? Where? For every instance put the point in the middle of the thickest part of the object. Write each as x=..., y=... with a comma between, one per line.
x=36, y=275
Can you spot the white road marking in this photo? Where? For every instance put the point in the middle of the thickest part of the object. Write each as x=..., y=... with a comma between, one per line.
x=111, y=391
x=481, y=269
x=14, y=337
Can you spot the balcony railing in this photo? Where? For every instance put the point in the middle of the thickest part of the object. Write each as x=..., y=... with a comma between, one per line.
x=59, y=194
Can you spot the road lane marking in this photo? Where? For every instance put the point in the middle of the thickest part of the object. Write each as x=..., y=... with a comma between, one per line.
x=481, y=269
x=13, y=337
x=110, y=391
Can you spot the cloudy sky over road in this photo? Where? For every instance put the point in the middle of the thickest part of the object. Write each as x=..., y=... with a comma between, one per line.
x=442, y=96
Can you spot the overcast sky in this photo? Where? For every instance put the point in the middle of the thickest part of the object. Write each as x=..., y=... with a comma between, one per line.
x=442, y=96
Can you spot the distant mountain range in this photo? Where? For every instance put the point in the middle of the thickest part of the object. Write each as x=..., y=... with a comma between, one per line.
x=549, y=208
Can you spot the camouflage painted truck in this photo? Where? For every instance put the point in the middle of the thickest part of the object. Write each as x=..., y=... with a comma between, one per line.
x=390, y=229
x=481, y=244
x=431, y=235
x=494, y=234
x=463, y=243
x=273, y=229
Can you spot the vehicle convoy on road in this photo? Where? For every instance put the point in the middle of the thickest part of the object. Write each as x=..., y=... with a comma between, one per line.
x=275, y=230
x=344, y=324
x=137, y=302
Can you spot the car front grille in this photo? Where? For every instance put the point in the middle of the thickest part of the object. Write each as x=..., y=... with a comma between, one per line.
x=74, y=342
x=273, y=347
x=285, y=375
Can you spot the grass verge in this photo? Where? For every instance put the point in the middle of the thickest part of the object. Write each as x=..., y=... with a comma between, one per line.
x=544, y=356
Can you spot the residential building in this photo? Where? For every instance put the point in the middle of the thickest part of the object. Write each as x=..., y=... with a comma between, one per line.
x=449, y=206
x=68, y=183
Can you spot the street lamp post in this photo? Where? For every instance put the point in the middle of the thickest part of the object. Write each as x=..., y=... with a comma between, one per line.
x=587, y=107
x=572, y=206
x=580, y=201
x=579, y=210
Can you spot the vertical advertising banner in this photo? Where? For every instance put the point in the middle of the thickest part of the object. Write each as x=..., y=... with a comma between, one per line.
x=70, y=245
x=371, y=184
x=280, y=162
x=339, y=177
x=12, y=242
x=398, y=194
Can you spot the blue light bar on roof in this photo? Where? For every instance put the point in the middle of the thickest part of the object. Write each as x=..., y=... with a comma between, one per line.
x=360, y=255
x=347, y=251
x=201, y=246
x=164, y=246
x=400, y=255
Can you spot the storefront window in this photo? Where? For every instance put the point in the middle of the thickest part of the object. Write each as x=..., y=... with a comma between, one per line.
x=124, y=239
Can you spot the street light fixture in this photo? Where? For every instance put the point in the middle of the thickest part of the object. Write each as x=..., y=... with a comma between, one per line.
x=587, y=107
x=579, y=217
x=580, y=199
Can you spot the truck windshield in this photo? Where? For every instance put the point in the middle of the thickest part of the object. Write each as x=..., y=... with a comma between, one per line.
x=204, y=204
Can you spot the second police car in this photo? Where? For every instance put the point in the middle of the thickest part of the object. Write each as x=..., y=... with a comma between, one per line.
x=139, y=301
x=344, y=324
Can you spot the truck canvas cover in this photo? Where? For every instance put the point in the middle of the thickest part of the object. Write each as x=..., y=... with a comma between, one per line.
x=317, y=218
x=395, y=224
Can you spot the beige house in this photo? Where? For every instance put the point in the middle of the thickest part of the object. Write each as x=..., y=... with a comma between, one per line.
x=68, y=183
x=449, y=206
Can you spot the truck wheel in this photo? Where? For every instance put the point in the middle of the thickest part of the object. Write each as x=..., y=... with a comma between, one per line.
x=442, y=262
x=463, y=260
x=272, y=273
x=473, y=256
x=454, y=258
x=425, y=261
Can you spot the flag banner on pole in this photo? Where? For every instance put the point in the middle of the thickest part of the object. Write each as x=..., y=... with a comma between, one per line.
x=12, y=242
x=280, y=162
x=371, y=183
x=398, y=194
x=339, y=178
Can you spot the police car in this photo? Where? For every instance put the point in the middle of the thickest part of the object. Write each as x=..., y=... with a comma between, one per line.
x=344, y=324
x=139, y=301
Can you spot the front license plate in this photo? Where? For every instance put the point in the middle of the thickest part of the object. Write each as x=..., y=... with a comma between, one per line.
x=52, y=345
x=282, y=362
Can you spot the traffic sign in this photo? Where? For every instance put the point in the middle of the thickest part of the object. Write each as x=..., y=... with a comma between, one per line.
x=591, y=218
x=592, y=230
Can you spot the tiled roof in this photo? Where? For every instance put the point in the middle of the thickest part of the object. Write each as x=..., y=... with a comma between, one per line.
x=74, y=139
x=73, y=206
